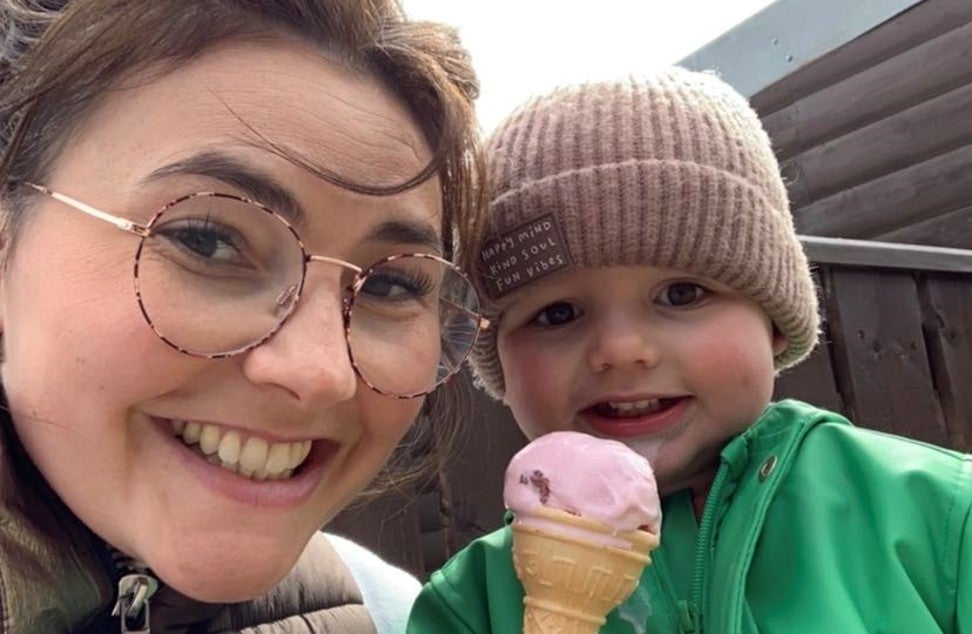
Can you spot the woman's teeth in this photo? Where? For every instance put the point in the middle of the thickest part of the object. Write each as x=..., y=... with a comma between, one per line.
x=630, y=409
x=255, y=458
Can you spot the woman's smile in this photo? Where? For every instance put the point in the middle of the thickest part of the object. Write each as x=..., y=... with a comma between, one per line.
x=240, y=452
x=248, y=469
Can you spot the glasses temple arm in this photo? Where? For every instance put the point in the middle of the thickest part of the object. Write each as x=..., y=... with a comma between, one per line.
x=122, y=223
x=481, y=322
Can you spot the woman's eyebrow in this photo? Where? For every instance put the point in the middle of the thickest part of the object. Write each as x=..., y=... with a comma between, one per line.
x=423, y=235
x=266, y=190
x=255, y=184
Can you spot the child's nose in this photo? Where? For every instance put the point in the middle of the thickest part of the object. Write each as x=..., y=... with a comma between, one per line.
x=308, y=357
x=623, y=342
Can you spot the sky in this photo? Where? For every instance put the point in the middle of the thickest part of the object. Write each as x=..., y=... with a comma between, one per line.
x=524, y=47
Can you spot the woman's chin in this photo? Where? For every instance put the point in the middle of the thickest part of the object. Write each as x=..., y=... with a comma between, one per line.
x=225, y=576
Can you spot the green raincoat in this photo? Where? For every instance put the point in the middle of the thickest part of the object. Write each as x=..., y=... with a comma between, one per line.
x=811, y=525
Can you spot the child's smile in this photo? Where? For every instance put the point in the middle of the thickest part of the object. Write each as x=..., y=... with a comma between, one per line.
x=632, y=417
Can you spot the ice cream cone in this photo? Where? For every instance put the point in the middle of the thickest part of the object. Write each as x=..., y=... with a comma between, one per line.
x=575, y=570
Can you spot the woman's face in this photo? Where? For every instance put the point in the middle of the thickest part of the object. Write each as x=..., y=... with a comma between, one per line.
x=95, y=394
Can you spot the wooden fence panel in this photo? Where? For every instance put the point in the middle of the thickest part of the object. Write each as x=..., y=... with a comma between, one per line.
x=915, y=194
x=903, y=139
x=918, y=74
x=953, y=230
x=476, y=475
x=922, y=22
x=947, y=301
x=882, y=366
x=813, y=379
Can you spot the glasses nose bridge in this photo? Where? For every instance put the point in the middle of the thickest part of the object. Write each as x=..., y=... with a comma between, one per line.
x=357, y=270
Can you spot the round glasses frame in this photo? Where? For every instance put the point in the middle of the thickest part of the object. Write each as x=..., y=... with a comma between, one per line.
x=144, y=231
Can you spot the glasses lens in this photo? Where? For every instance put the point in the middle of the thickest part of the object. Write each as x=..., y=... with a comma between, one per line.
x=218, y=274
x=413, y=321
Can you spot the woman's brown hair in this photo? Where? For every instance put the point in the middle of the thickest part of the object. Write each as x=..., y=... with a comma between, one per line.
x=58, y=57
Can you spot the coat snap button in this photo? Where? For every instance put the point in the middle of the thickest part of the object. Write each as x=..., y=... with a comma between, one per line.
x=767, y=468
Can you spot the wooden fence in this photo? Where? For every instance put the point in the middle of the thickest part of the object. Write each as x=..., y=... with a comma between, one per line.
x=896, y=355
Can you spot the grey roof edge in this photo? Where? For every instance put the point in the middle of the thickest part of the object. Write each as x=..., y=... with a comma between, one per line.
x=787, y=35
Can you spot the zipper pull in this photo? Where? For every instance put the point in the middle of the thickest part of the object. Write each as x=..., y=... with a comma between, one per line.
x=688, y=618
x=132, y=607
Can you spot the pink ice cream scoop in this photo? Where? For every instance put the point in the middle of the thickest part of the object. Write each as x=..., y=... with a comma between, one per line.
x=590, y=477
x=587, y=519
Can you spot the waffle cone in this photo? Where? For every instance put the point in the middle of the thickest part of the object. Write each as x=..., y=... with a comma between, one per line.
x=575, y=570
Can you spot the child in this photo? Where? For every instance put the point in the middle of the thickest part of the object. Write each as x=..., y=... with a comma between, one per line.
x=647, y=284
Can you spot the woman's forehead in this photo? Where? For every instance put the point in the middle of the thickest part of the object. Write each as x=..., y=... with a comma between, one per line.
x=327, y=114
x=231, y=121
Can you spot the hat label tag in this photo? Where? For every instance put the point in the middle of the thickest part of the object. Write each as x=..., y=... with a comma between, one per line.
x=524, y=254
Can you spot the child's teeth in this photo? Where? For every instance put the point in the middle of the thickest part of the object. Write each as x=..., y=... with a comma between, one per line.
x=630, y=408
x=252, y=457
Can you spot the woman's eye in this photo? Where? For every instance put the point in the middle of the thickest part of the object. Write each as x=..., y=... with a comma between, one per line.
x=557, y=314
x=681, y=294
x=387, y=285
x=207, y=240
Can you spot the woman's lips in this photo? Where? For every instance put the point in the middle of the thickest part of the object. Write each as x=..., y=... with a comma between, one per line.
x=267, y=494
x=631, y=419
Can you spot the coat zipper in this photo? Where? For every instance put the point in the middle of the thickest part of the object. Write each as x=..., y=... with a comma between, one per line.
x=136, y=585
x=691, y=615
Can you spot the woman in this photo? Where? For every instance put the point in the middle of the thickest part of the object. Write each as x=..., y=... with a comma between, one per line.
x=211, y=338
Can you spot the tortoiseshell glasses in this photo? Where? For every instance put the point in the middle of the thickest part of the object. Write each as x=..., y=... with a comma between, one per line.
x=217, y=275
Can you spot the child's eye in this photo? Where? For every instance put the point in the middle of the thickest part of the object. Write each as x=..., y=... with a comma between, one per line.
x=557, y=314
x=681, y=294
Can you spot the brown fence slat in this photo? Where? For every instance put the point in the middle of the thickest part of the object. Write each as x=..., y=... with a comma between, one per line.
x=388, y=525
x=813, y=379
x=947, y=302
x=475, y=476
x=915, y=194
x=922, y=22
x=881, y=362
x=918, y=74
x=905, y=138
x=953, y=230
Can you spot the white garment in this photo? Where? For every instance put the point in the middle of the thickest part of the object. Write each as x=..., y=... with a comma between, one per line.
x=388, y=592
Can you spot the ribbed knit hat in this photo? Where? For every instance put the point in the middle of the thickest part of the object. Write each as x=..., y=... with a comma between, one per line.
x=672, y=171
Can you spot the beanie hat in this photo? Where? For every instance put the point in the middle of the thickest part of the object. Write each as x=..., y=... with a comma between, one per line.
x=672, y=171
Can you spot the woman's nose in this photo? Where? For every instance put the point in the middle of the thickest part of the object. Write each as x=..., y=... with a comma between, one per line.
x=308, y=357
x=623, y=342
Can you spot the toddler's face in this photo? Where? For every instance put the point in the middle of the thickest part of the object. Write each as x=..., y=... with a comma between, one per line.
x=669, y=363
